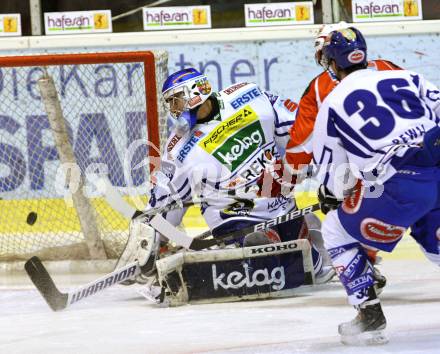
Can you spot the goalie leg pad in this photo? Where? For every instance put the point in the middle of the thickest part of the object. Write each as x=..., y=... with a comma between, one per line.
x=142, y=246
x=266, y=271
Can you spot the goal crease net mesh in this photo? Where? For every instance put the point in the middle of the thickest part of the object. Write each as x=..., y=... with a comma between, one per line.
x=113, y=113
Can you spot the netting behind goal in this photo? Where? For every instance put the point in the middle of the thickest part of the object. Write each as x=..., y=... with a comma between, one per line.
x=115, y=121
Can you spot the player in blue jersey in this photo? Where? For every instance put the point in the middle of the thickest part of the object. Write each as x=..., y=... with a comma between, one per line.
x=377, y=149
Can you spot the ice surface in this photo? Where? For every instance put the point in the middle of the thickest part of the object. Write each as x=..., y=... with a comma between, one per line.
x=121, y=321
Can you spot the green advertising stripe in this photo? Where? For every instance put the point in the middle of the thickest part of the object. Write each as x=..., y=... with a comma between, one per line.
x=240, y=146
x=385, y=15
x=170, y=24
x=70, y=28
x=273, y=20
x=177, y=23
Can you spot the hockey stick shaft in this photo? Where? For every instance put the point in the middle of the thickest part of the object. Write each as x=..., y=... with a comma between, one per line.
x=58, y=300
x=199, y=242
x=115, y=200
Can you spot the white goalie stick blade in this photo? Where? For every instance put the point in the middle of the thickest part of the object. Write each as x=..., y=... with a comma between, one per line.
x=115, y=200
x=118, y=203
x=165, y=228
x=58, y=300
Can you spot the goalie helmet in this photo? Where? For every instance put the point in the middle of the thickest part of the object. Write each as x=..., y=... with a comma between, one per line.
x=323, y=32
x=347, y=47
x=185, y=90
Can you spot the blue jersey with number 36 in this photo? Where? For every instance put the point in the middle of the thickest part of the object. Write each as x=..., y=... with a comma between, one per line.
x=371, y=118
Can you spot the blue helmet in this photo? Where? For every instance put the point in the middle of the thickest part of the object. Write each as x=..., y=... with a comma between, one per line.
x=188, y=84
x=347, y=47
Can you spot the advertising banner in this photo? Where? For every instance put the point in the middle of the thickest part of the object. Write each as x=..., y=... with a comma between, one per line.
x=275, y=65
x=279, y=14
x=10, y=25
x=104, y=110
x=178, y=17
x=77, y=22
x=386, y=10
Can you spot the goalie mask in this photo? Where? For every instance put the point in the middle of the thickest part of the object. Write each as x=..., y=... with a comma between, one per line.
x=185, y=90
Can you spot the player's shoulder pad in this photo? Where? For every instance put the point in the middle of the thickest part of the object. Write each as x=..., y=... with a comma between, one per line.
x=232, y=90
x=240, y=94
x=381, y=64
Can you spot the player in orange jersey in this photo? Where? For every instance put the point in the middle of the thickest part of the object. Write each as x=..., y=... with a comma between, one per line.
x=299, y=147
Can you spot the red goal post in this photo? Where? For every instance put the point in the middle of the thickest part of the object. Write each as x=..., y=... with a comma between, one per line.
x=108, y=100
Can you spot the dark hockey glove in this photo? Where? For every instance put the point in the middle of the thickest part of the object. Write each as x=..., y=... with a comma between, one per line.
x=327, y=201
x=275, y=180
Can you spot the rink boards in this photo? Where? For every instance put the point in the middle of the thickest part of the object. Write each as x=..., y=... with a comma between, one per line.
x=46, y=223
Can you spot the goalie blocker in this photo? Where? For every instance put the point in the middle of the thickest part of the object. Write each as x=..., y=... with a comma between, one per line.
x=258, y=272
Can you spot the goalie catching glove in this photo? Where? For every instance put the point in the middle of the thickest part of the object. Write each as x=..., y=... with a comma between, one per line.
x=276, y=179
x=142, y=246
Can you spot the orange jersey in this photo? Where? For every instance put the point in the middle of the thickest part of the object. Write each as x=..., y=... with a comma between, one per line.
x=299, y=147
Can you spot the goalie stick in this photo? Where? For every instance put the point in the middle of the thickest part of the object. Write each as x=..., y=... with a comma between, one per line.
x=198, y=242
x=59, y=301
x=115, y=200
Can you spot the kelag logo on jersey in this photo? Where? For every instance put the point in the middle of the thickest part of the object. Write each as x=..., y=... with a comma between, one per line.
x=235, y=139
x=246, y=97
x=189, y=145
x=239, y=147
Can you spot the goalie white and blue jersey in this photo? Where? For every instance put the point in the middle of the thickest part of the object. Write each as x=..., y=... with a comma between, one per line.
x=230, y=150
x=370, y=121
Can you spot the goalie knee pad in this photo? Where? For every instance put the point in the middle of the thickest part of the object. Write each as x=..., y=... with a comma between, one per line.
x=258, y=238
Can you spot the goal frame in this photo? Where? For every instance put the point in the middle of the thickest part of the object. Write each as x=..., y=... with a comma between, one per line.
x=153, y=112
x=145, y=57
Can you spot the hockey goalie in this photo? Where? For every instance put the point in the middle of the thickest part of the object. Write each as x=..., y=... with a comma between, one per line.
x=219, y=146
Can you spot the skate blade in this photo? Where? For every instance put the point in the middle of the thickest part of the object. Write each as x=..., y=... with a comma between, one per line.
x=365, y=338
x=326, y=277
x=152, y=295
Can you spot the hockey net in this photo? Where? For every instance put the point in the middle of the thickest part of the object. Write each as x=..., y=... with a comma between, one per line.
x=115, y=123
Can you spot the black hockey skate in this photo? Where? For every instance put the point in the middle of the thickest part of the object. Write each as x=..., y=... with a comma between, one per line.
x=379, y=281
x=367, y=328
